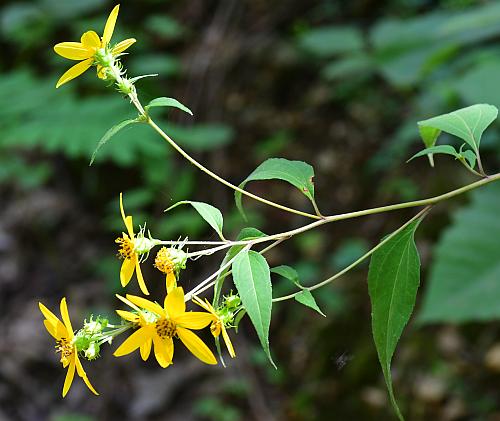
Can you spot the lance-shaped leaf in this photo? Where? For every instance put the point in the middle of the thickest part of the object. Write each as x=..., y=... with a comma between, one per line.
x=209, y=213
x=393, y=280
x=297, y=173
x=253, y=281
x=288, y=273
x=467, y=124
x=109, y=134
x=167, y=102
x=247, y=233
x=305, y=297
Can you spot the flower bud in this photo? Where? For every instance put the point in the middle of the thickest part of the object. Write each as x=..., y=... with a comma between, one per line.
x=232, y=301
x=125, y=86
x=92, y=352
x=94, y=327
x=143, y=245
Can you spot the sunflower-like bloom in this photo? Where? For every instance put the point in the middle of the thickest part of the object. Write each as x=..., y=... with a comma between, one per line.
x=217, y=325
x=165, y=264
x=159, y=325
x=129, y=253
x=89, y=46
x=62, y=332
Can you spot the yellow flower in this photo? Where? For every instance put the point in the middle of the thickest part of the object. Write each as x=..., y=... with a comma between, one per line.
x=129, y=254
x=217, y=325
x=164, y=264
x=90, y=44
x=63, y=334
x=158, y=325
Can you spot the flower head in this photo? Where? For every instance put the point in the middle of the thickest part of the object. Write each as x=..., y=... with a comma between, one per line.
x=62, y=332
x=92, y=50
x=170, y=261
x=159, y=325
x=129, y=252
x=219, y=321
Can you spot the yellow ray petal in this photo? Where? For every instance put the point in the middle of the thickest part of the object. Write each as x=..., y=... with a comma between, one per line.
x=205, y=304
x=128, y=316
x=110, y=25
x=65, y=317
x=73, y=50
x=174, y=303
x=171, y=282
x=146, y=349
x=69, y=378
x=57, y=330
x=140, y=278
x=123, y=45
x=126, y=271
x=91, y=40
x=227, y=341
x=51, y=317
x=128, y=303
x=146, y=304
x=196, y=346
x=74, y=71
x=133, y=342
x=164, y=350
x=127, y=220
x=195, y=319
x=83, y=375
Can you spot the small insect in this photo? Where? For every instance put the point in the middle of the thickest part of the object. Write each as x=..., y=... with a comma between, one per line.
x=342, y=360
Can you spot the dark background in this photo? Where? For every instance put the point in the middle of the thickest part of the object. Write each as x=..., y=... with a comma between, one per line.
x=339, y=85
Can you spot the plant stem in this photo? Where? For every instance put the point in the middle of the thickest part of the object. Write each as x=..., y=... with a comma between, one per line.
x=202, y=286
x=421, y=214
x=222, y=180
x=135, y=100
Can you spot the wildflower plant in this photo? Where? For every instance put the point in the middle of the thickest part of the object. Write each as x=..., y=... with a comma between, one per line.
x=393, y=276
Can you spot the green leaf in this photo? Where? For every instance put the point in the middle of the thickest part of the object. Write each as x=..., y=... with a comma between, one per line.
x=167, y=102
x=470, y=156
x=463, y=284
x=209, y=213
x=297, y=173
x=429, y=135
x=247, y=233
x=305, y=297
x=467, y=123
x=253, y=281
x=288, y=273
x=109, y=134
x=393, y=280
x=440, y=149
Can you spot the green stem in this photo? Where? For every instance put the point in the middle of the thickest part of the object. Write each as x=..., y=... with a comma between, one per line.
x=421, y=214
x=381, y=209
x=110, y=334
x=222, y=180
x=471, y=170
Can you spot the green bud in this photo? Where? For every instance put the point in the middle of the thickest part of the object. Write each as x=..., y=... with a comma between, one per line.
x=94, y=327
x=143, y=245
x=232, y=301
x=178, y=257
x=92, y=351
x=104, y=58
x=226, y=316
x=125, y=86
